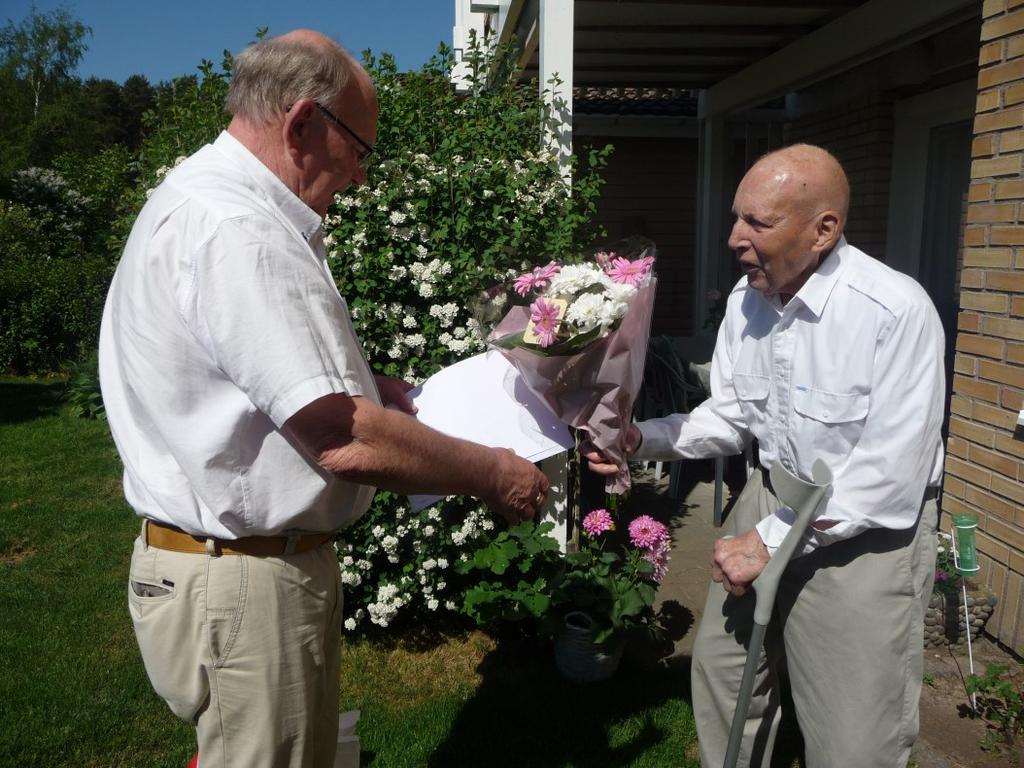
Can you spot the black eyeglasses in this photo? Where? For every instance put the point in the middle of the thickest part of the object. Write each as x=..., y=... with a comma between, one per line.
x=366, y=150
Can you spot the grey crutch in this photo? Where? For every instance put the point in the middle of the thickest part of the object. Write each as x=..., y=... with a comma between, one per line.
x=803, y=498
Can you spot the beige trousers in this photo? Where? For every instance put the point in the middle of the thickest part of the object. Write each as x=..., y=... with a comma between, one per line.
x=246, y=648
x=848, y=629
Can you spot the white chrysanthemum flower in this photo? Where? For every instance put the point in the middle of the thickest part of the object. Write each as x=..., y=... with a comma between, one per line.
x=586, y=311
x=574, y=278
x=612, y=312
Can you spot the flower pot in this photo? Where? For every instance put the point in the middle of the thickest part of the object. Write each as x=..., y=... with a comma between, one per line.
x=944, y=622
x=578, y=657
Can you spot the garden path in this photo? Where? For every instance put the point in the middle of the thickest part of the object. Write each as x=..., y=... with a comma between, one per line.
x=948, y=737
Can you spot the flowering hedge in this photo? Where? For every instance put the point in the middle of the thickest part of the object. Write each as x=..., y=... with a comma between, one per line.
x=462, y=197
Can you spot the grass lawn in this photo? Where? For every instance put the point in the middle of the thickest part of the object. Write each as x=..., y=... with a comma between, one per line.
x=73, y=691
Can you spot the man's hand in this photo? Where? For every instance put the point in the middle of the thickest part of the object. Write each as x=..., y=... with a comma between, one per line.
x=394, y=392
x=600, y=463
x=738, y=560
x=520, y=488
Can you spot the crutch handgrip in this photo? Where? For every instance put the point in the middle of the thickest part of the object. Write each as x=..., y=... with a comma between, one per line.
x=803, y=497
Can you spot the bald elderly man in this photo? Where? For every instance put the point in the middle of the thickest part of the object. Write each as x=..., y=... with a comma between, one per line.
x=249, y=422
x=823, y=353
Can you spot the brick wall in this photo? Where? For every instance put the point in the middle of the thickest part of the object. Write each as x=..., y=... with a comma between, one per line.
x=860, y=136
x=985, y=463
x=651, y=190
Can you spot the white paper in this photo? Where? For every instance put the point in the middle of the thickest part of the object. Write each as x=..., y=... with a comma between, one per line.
x=484, y=400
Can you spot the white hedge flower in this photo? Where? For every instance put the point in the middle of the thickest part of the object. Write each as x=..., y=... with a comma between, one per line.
x=350, y=624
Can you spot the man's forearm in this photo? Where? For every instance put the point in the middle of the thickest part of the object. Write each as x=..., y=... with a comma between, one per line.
x=356, y=439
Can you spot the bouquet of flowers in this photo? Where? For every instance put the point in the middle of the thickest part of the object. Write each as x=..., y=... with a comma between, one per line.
x=581, y=343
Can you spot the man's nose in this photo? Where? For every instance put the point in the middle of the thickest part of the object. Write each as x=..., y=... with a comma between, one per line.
x=735, y=236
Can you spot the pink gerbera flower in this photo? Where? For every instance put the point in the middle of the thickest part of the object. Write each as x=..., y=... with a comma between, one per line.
x=597, y=522
x=544, y=315
x=631, y=272
x=538, y=278
x=647, y=533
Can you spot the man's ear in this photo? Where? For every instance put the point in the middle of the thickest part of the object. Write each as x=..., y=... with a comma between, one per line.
x=296, y=126
x=827, y=231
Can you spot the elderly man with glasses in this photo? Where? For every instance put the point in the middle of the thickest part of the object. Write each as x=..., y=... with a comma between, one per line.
x=249, y=422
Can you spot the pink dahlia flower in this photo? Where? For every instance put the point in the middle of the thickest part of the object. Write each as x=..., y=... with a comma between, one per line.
x=630, y=272
x=658, y=557
x=647, y=533
x=597, y=522
x=538, y=278
x=544, y=315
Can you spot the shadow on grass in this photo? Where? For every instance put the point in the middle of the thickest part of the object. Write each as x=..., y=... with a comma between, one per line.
x=524, y=713
x=26, y=400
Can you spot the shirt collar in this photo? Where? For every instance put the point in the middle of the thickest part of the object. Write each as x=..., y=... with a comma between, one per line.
x=307, y=221
x=814, y=294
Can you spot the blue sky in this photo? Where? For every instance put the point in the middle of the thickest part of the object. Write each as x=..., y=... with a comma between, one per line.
x=162, y=40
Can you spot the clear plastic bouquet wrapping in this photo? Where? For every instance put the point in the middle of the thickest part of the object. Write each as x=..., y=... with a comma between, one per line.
x=581, y=342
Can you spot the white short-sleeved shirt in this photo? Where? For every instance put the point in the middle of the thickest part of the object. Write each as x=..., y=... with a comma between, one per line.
x=223, y=321
x=849, y=371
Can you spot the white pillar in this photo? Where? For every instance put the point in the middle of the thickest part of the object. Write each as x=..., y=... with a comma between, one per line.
x=469, y=16
x=556, y=43
x=556, y=505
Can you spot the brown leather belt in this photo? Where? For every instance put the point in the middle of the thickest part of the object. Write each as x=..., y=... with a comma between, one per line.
x=168, y=537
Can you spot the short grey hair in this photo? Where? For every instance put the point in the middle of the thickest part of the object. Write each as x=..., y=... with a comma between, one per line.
x=275, y=73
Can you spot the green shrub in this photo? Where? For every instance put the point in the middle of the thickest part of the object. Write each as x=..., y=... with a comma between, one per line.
x=83, y=388
x=1000, y=701
x=51, y=290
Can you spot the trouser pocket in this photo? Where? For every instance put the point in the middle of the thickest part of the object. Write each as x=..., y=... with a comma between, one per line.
x=168, y=629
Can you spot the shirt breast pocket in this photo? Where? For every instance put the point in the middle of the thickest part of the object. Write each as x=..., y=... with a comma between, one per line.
x=831, y=422
x=752, y=394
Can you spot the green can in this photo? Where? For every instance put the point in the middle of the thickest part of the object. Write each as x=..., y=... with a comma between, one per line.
x=966, y=547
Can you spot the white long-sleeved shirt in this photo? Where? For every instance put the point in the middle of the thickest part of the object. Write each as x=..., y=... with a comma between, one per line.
x=849, y=371
x=221, y=323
